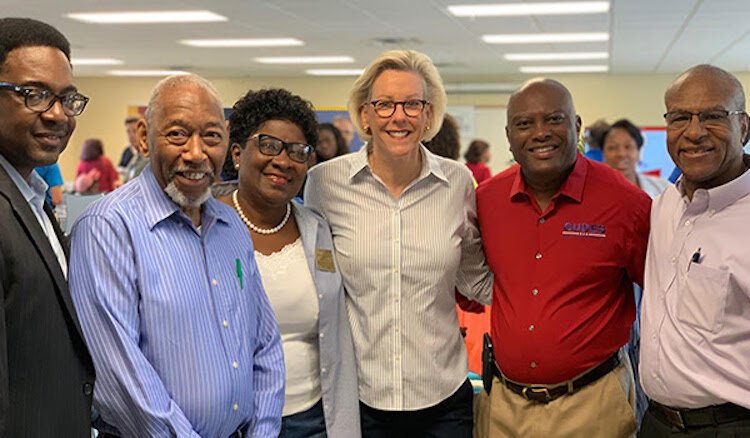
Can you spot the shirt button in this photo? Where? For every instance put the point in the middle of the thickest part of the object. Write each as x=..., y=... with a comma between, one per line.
x=653, y=336
x=711, y=212
x=687, y=223
x=541, y=220
x=674, y=259
x=531, y=328
x=532, y=364
x=214, y=282
x=653, y=375
x=235, y=406
x=320, y=296
x=323, y=370
x=538, y=255
x=535, y=292
x=225, y=323
x=322, y=335
x=88, y=389
x=235, y=365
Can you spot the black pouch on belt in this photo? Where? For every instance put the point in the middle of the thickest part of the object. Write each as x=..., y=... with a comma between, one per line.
x=488, y=362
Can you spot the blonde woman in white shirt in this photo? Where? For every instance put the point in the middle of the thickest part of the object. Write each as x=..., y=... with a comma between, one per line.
x=404, y=229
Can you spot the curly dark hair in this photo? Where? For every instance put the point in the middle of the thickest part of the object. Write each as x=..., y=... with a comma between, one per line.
x=447, y=141
x=629, y=127
x=92, y=149
x=26, y=32
x=341, y=147
x=258, y=107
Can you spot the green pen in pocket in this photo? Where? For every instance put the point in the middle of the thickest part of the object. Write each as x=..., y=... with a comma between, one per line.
x=239, y=273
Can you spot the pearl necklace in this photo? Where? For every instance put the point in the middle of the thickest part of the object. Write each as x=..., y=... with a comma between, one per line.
x=254, y=227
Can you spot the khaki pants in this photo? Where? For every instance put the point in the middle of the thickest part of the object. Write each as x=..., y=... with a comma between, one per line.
x=603, y=409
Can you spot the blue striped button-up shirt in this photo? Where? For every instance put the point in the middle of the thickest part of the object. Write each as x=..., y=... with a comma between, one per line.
x=182, y=334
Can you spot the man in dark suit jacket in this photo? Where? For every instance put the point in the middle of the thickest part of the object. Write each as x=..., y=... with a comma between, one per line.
x=46, y=374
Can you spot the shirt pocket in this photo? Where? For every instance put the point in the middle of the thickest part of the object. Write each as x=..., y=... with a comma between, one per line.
x=703, y=303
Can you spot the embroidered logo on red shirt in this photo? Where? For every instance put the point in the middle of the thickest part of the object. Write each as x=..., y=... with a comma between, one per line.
x=574, y=229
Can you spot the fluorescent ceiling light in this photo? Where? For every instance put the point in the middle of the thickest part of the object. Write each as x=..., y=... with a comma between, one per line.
x=565, y=69
x=244, y=42
x=536, y=38
x=572, y=56
x=147, y=17
x=305, y=60
x=334, y=72
x=96, y=61
x=516, y=9
x=146, y=72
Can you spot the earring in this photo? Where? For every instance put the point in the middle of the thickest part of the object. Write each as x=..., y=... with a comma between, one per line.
x=237, y=166
x=367, y=130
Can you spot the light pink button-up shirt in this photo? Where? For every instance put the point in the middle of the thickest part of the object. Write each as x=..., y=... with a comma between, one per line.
x=695, y=336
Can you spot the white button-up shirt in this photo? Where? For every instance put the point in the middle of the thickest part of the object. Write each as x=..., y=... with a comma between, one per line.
x=401, y=260
x=695, y=333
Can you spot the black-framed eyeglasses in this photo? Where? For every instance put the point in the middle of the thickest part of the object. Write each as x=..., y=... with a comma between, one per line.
x=40, y=100
x=708, y=118
x=272, y=146
x=386, y=108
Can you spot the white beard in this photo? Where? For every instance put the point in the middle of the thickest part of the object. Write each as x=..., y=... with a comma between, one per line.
x=182, y=200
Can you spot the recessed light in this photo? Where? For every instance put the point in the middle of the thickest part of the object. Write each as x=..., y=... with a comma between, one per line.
x=565, y=69
x=305, y=60
x=572, y=56
x=146, y=72
x=141, y=17
x=244, y=42
x=516, y=9
x=334, y=72
x=536, y=38
x=96, y=61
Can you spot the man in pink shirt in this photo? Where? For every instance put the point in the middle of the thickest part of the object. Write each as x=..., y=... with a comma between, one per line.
x=695, y=336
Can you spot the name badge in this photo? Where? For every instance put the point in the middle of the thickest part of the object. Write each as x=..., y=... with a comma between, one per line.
x=324, y=260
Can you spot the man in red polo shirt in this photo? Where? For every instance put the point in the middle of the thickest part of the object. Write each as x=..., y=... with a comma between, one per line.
x=566, y=238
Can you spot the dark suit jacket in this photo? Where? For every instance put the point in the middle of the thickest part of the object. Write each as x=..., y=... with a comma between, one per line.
x=46, y=373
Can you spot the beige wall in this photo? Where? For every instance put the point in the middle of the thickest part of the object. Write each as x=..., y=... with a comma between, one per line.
x=638, y=97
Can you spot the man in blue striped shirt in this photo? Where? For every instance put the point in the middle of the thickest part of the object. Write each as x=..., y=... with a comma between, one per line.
x=183, y=338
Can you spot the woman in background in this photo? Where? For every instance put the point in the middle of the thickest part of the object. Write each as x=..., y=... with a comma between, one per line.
x=476, y=156
x=95, y=172
x=330, y=143
x=621, y=150
x=447, y=142
x=271, y=133
x=405, y=234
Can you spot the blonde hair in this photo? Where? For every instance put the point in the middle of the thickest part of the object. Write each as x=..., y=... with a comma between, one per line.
x=400, y=60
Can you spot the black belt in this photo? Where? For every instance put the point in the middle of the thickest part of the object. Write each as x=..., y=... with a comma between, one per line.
x=545, y=393
x=701, y=417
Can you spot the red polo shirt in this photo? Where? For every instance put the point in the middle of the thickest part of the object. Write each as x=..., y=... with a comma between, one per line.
x=563, y=293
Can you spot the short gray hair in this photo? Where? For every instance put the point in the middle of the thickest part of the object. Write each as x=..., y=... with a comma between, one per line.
x=400, y=60
x=154, y=102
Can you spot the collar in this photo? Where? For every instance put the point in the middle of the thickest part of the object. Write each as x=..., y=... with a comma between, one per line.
x=161, y=207
x=719, y=197
x=571, y=188
x=430, y=163
x=32, y=190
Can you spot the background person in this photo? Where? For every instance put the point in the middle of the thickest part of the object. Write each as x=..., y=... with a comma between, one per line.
x=102, y=176
x=330, y=143
x=271, y=132
x=53, y=177
x=46, y=374
x=621, y=150
x=346, y=128
x=172, y=306
x=477, y=156
x=404, y=230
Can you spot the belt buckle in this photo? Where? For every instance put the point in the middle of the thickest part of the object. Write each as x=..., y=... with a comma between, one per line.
x=529, y=391
x=674, y=417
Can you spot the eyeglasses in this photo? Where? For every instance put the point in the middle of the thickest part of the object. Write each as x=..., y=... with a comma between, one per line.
x=709, y=118
x=386, y=108
x=40, y=100
x=270, y=145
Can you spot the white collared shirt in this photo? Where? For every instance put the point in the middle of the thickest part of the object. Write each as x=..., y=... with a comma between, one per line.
x=33, y=192
x=695, y=333
x=401, y=260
